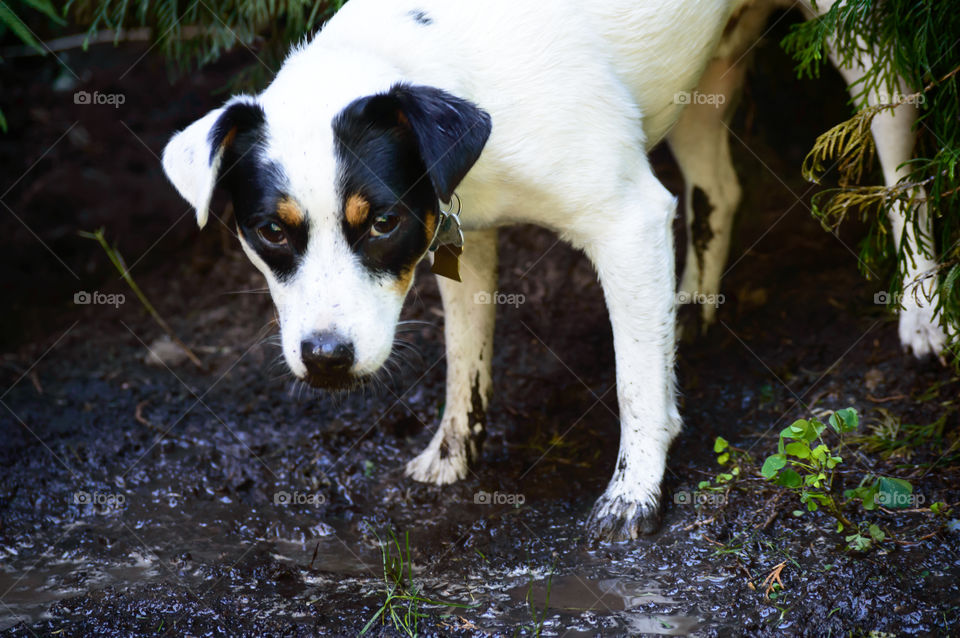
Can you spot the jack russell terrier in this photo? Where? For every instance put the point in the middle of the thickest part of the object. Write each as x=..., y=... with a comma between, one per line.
x=341, y=171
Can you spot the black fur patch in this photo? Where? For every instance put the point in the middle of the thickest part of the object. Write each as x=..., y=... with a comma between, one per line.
x=476, y=420
x=700, y=228
x=402, y=151
x=255, y=185
x=421, y=17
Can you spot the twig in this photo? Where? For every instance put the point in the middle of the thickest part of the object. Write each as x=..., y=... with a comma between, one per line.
x=117, y=261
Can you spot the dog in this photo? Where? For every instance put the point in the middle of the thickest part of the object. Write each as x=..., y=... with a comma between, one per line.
x=343, y=170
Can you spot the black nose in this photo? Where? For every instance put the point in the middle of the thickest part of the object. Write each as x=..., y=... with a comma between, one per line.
x=326, y=354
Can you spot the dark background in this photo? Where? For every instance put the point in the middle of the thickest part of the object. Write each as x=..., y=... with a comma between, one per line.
x=200, y=546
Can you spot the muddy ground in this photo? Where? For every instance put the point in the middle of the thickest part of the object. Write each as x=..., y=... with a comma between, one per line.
x=141, y=500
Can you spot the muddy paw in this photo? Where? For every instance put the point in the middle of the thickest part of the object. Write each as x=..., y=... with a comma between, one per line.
x=430, y=466
x=618, y=519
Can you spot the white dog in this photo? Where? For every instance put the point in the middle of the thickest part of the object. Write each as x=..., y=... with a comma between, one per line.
x=538, y=112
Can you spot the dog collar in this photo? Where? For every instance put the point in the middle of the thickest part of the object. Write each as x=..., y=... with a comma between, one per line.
x=447, y=244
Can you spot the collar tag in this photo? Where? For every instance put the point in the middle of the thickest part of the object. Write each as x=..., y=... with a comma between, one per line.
x=446, y=261
x=450, y=232
x=447, y=246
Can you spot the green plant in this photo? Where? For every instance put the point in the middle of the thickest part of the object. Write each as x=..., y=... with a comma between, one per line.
x=807, y=466
x=890, y=438
x=913, y=42
x=11, y=20
x=402, y=604
x=536, y=615
x=732, y=457
x=191, y=34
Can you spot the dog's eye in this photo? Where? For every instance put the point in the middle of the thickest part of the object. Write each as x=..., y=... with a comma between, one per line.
x=384, y=224
x=272, y=233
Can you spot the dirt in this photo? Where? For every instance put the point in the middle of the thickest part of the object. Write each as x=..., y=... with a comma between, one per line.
x=226, y=500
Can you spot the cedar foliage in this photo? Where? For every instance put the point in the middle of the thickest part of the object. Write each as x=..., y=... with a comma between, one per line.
x=916, y=42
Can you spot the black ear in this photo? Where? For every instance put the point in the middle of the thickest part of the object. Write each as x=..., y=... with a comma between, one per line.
x=193, y=158
x=450, y=132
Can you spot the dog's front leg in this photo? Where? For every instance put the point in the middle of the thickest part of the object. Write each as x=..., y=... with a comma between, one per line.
x=632, y=249
x=469, y=312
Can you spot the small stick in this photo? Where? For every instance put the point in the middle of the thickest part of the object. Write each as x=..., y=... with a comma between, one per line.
x=117, y=261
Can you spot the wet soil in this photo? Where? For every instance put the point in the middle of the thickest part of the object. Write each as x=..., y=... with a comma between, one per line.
x=225, y=500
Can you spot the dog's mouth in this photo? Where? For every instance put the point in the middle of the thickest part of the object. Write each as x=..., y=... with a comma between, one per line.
x=338, y=383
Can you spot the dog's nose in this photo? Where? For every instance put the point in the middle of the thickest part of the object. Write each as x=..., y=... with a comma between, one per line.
x=326, y=354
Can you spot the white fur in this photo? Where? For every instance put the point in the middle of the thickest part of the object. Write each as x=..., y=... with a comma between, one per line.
x=578, y=91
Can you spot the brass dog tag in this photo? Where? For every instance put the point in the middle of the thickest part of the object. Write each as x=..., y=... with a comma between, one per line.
x=446, y=261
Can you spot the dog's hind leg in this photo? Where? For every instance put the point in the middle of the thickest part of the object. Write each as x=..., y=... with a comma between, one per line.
x=892, y=130
x=700, y=143
x=469, y=313
x=893, y=134
x=630, y=242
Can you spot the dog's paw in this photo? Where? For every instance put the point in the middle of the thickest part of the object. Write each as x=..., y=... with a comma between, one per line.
x=432, y=466
x=919, y=331
x=617, y=518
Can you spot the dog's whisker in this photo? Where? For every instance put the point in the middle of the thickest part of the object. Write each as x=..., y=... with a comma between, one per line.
x=252, y=291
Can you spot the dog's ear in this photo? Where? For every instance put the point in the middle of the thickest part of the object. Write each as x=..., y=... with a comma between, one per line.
x=450, y=132
x=193, y=158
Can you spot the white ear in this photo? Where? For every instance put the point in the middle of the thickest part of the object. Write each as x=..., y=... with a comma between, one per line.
x=189, y=166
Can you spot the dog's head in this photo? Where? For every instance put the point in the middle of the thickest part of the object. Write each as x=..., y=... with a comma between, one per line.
x=336, y=214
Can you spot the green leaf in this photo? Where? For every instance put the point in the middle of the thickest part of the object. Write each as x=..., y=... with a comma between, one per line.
x=845, y=420
x=796, y=430
x=789, y=478
x=894, y=493
x=772, y=465
x=703, y=485
x=876, y=533
x=723, y=458
x=46, y=7
x=798, y=449
x=22, y=31
x=820, y=453
x=720, y=445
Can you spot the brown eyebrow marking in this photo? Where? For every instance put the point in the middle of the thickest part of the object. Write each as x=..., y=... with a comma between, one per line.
x=403, y=282
x=357, y=210
x=289, y=212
